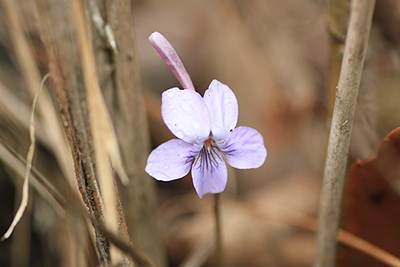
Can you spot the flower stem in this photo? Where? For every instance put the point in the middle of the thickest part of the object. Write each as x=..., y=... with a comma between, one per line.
x=218, y=235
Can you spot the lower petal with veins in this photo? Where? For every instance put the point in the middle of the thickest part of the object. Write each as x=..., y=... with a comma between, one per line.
x=209, y=171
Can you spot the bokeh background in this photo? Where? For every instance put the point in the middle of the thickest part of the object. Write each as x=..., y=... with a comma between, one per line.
x=275, y=56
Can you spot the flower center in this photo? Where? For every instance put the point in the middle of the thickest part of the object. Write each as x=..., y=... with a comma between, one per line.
x=208, y=143
x=208, y=159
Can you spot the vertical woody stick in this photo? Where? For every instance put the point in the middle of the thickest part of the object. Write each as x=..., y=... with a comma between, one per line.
x=342, y=121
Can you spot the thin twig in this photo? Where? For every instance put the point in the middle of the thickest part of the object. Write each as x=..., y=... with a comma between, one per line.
x=342, y=121
x=218, y=234
x=263, y=210
x=291, y=217
x=135, y=252
x=73, y=205
x=41, y=185
x=337, y=13
x=29, y=159
x=31, y=74
x=368, y=248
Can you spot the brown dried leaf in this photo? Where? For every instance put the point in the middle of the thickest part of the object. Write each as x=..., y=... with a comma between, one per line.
x=372, y=205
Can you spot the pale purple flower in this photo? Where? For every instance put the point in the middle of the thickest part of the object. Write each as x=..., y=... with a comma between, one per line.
x=206, y=130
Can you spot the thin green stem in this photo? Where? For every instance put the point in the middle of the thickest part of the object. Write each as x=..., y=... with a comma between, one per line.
x=218, y=235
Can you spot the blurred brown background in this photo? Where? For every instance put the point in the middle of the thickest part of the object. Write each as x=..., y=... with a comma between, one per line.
x=275, y=56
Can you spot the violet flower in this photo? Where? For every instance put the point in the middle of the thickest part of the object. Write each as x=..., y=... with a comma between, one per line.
x=206, y=130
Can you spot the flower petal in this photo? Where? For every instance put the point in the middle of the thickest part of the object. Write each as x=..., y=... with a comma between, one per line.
x=169, y=55
x=186, y=115
x=171, y=160
x=244, y=148
x=223, y=107
x=209, y=171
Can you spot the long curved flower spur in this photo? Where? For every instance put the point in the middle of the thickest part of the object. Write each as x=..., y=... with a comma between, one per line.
x=206, y=130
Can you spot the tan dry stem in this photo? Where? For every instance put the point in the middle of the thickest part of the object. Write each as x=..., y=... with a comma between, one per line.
x=339, y=139
x=73, y=75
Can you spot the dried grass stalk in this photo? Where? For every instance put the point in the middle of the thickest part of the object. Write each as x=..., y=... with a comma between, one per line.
x=342, y=121
x=25, y=187
x=63, y=31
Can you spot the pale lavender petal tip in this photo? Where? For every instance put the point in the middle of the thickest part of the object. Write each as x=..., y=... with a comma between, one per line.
x=186, y=115
x=223, y=108
x=170, y=161
x=244, y=148
x=169, y=55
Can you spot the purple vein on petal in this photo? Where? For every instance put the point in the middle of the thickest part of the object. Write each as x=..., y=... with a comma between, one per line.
x=169, y=55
